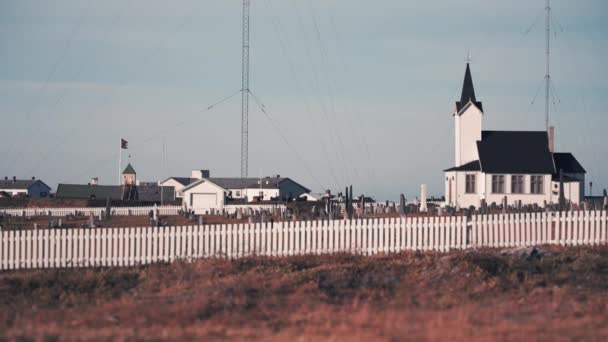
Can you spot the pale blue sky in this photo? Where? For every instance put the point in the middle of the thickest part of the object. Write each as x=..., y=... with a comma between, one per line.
x=363, y=90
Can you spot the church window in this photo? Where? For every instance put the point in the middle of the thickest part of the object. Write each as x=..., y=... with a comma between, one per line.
x=517, y=184
x=470, y=184
x=536, y=184
x=498, y=184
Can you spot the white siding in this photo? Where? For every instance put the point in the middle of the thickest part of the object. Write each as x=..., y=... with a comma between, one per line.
x=193, y=197
x=467, y=133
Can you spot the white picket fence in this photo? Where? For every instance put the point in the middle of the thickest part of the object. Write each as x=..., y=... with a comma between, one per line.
x=137, y=246
x=62, y=212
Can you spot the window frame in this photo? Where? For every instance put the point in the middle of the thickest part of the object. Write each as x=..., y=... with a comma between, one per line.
x=522, y=184
x=498, y=184
x=538, y=187
x=467, y=189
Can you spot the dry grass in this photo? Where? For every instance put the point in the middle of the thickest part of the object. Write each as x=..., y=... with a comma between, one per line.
x=464, y=295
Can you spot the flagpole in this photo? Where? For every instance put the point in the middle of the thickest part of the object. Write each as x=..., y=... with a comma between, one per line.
x=119, y=160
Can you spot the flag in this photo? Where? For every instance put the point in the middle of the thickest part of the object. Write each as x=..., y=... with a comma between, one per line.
x=124, y=144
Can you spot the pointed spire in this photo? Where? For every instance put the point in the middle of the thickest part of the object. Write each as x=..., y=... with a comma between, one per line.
x=468, y=91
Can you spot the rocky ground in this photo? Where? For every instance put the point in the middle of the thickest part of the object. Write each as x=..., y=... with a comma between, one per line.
x=546, y=294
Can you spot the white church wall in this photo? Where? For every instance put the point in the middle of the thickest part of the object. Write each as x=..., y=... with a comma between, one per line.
x=572, y=192
x=458, y=189
x=468, y=132
x=526, y=198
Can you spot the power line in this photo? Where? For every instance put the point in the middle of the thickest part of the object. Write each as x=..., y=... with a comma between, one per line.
x=278, y=30
x=55, y=66
x=43, y=157
x=332, y=126
x=294, y=150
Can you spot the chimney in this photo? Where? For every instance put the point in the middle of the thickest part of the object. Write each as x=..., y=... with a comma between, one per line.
x=200, y=174
x=551, y=134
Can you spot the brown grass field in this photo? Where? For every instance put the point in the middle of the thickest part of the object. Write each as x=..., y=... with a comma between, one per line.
x=476, y=295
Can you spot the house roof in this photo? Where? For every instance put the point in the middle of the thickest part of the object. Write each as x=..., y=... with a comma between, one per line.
x=182, y=180
x=151, y=193
x=567, y=179
x=129, y=170
x=471, y=166
x=21, y=184
x=80, y=191
x=515, y=152
x=244, y=183
x=468, y=93
x=567, y=163
x=200, y=181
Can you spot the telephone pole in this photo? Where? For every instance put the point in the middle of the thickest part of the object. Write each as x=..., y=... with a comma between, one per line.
x=548, y=74
x=245, y=92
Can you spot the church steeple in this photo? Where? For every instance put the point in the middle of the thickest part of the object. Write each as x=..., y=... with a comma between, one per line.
x=468, y=92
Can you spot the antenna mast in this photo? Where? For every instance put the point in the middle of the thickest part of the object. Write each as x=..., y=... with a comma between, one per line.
x=548, y=74
x=245, y=92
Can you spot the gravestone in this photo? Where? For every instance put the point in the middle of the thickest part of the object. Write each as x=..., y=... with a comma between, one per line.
x=91, y=221
x=402, y=204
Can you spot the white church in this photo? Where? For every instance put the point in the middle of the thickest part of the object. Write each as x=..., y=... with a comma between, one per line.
x=519, y=165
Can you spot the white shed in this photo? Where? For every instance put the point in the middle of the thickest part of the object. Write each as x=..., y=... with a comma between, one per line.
x=204, y=195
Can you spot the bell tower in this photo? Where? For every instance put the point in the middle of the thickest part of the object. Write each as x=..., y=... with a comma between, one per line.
x=129, y=176
x=467, y=122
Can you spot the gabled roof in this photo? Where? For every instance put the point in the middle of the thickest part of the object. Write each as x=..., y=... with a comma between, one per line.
x=471, y=166
x=21, y=184
x=182, y=180
x=468, y=93
x=515, y=152
x=567, y=163
x=129, y=170
x=200, y=181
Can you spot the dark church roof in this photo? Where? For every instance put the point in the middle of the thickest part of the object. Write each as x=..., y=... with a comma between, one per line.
x=468, y=93
x=567, y=163
x=471, y=166
x=515, y=152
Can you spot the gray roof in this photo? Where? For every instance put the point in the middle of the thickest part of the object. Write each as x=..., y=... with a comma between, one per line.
x=150, y=193
x=80, y=191
x=241, y=183
x=23, y=184
x=185, y=181
x=245, y=183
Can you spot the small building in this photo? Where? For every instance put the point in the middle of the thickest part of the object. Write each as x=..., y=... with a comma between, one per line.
x=178, y=183
x=30, y=187
x=520, y=166
x=129, y=176
x=249, y=189
x=204, y=195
